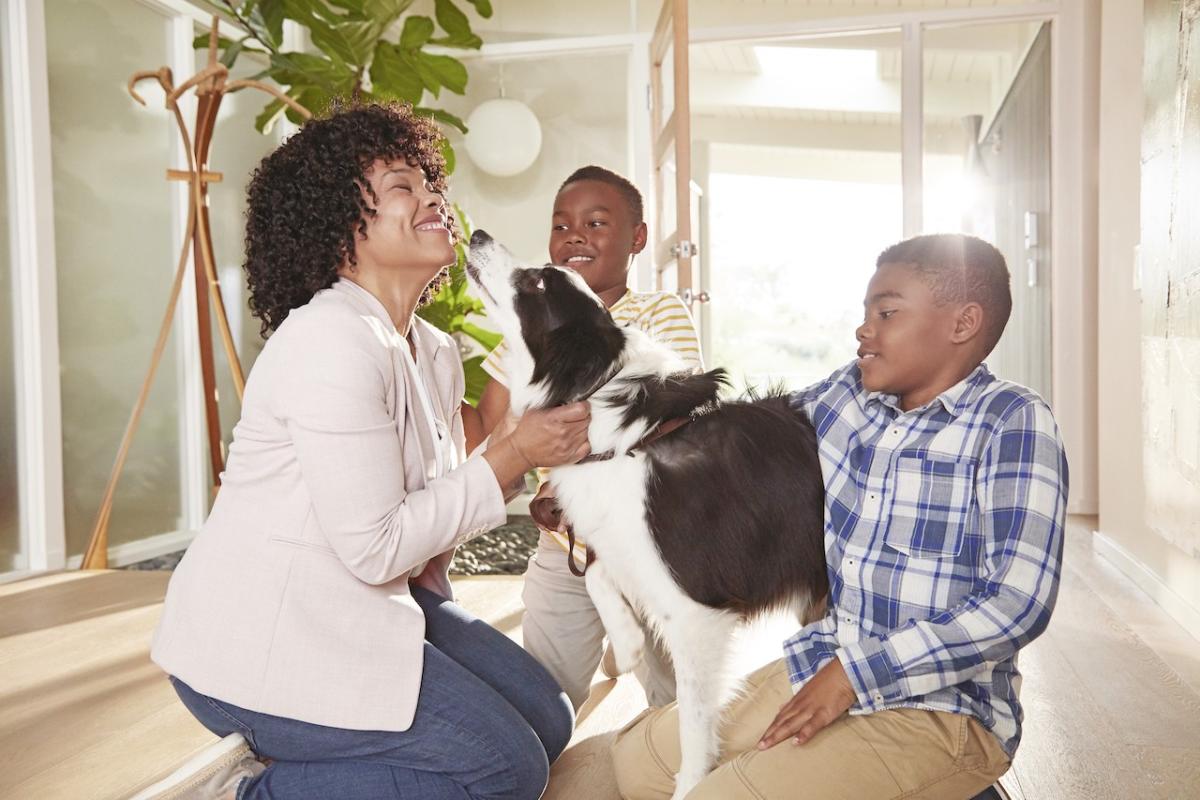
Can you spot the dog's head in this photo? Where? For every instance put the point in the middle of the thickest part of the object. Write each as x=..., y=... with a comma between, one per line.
x=562, y=343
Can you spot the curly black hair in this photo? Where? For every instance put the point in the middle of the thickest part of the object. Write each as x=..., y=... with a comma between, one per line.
x=306, y=207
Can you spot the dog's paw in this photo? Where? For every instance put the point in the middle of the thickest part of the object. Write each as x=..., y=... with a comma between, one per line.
x=624, y=659
x=683, y=786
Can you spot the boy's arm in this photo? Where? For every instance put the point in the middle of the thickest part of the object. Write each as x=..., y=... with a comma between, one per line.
x=1021, y=487
x=472, y=426
x=493, y=402
x=493, y=407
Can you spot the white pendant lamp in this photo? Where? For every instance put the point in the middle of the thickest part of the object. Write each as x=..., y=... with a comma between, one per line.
x=504, y=136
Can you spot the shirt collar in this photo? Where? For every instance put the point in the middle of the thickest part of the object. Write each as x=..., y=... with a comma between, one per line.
x=622, y=300
x=376, y=315
x=955, y=399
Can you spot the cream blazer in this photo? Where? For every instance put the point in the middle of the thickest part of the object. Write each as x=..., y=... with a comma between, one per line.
x=293, y=599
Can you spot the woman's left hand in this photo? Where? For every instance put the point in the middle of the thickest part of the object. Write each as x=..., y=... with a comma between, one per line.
x=826, y=696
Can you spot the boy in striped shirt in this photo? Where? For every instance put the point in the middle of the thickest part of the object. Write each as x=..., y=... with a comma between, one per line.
x=945, y=503
x=596, y=230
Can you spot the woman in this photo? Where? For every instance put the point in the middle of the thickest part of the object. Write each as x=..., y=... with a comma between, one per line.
x=313, y=612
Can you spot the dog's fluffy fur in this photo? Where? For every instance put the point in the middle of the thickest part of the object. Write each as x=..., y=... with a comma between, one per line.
x=717, y=521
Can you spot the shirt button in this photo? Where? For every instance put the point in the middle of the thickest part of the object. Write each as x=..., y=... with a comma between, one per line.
x=848, y=620
x=850, y=561
x=895, y=431
x=878, y=698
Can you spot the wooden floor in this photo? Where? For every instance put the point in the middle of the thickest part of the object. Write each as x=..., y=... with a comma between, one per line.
x=1112, y=691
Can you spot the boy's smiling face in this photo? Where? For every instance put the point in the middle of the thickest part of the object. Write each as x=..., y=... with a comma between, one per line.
x=910, y=345
x=593, y=232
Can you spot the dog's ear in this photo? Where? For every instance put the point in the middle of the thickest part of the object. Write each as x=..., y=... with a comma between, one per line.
x=578, y=357
x=656, y=398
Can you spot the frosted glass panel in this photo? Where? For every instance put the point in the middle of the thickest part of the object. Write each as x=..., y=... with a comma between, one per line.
x=12, y=549
x=115, y=260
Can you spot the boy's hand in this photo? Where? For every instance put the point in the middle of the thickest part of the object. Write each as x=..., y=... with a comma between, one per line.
x=823, y=699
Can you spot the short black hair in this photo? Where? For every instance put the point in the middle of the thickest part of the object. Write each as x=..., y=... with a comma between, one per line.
x=633, y=198
x=960, y=269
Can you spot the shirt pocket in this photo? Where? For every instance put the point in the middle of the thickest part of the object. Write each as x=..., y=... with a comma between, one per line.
x=932, y=506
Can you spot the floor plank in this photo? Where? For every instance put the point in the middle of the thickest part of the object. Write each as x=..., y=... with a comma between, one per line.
x=1112, y=690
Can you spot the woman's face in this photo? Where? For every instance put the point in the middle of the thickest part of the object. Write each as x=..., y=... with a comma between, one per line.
x=409, y=229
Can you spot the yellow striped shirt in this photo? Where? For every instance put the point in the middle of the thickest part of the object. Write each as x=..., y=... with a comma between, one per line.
x=663, y=317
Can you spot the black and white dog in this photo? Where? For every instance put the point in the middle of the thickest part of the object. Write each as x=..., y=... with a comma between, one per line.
x=716, y=521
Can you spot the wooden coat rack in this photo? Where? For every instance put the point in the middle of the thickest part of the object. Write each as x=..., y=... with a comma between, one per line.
x=211, y=85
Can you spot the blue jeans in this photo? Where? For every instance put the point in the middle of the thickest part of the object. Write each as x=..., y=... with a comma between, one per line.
x=489, y=722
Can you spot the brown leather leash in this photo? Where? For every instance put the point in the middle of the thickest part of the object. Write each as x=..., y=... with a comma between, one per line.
x=547, y=513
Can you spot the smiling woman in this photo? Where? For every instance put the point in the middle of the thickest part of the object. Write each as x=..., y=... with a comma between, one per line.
x=333, y=646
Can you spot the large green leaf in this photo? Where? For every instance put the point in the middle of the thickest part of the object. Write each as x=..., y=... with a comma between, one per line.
x=476, y=379
x=448, y=154
x=392, y=75
x=229, y=57
x=456, y=25
x=416, y=33
x=350, y=41
x=305, y=10
x=290, y=69
x=268, y=116
x=444, y=117
x=315, y=98
x=484, y=7
x=270, y=13
x=201, y=41
x=450, y=72
x=488, y=339
x=385, y=9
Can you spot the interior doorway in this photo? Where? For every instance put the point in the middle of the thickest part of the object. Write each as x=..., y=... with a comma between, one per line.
x=806, y=181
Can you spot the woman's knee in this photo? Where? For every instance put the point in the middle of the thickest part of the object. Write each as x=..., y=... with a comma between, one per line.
x=559, y=729
x=527, y=768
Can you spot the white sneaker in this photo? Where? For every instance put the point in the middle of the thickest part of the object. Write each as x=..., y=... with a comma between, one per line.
x=212, y=774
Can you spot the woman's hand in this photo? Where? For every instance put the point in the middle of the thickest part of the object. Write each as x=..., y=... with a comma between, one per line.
x=825, y=697
x=546, y=438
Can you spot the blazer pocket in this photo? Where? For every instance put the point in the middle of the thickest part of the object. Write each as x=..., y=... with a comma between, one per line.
x=300, y=544
x=932, y=506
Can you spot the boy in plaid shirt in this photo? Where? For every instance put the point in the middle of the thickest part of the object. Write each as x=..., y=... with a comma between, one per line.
x=946, y=496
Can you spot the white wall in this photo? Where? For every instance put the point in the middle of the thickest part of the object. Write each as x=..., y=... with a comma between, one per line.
x=1163, y=570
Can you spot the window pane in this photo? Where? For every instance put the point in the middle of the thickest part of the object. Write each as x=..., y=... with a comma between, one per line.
x=803, y=185
x=115, y=258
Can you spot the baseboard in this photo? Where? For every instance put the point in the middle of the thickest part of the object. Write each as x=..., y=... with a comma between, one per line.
x=122, y=555
x=1167, y=598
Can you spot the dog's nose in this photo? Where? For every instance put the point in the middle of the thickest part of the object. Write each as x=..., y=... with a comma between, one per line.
x=480, y=237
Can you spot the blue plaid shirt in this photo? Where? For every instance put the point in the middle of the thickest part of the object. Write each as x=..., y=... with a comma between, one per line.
x=943, y=537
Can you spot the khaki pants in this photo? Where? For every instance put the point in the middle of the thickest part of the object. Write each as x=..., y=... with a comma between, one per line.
x=563, y=631
x=902, y=753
